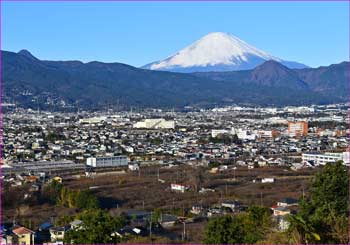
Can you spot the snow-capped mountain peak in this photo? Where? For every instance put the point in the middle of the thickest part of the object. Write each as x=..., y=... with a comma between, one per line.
x=217, y=51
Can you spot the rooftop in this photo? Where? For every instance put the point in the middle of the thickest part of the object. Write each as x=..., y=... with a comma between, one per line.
x=22, y=231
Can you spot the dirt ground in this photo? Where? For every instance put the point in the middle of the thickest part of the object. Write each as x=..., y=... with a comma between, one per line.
x=145, y=191
x=119, y=192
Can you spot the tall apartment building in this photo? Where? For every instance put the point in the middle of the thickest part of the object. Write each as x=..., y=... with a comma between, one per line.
x=297, y=129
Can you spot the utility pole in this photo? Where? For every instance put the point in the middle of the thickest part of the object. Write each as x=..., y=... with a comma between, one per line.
x=150, y=226
x=184, y=231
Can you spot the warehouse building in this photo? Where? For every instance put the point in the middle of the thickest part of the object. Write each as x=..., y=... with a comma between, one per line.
x=159, y=123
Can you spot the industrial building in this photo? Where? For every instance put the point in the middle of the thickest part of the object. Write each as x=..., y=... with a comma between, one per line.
x=158, y=123
x=102, y=162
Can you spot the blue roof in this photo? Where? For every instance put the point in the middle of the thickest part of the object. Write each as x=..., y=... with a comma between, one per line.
x=45, y=225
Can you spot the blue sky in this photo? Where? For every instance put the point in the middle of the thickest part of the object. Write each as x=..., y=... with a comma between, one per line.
x=137, y=33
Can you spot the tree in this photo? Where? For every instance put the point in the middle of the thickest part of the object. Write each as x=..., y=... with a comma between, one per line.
x=51, y=193
x=224, y=230
x=86, y=200
x=301, y=231
x=98, y=227
x=324, y=212
x=57, y=194
x=249, y=227
x=197, y=178
x=257, y=223
x=157, y=213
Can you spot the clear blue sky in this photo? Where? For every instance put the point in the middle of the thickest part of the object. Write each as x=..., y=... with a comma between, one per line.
x=136, y=33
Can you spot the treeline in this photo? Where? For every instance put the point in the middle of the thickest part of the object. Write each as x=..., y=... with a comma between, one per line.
x=58, y=194
x=321, y=218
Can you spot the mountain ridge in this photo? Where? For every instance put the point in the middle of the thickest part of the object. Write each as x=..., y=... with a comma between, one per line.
x=36, y=83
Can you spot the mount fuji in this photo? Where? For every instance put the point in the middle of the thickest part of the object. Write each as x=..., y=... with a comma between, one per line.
x=217, y=51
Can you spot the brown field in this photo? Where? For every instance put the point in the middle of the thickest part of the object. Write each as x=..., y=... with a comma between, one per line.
x=119, y=192
x=131, y=191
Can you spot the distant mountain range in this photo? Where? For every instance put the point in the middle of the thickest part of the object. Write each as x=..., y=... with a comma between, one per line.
x=34, y=83
x=217, y=51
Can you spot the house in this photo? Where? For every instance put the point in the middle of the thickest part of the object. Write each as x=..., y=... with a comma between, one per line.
x=6, y=234
x=281, y=211
x=267, y=180
x=197, y=210
x=214, y=211
x=42, y=234
x=167, y=220
x=205, y=190
x=57, y=233
x=286, y=202
x=6, y=239
x=139, y=216
x=23, y=236
x=233, y=205
x=130, y=231
x=214, y=170
x=134, y=167
x=180, y=188
x=76, y=224
x=31, y=179
x=45, y=226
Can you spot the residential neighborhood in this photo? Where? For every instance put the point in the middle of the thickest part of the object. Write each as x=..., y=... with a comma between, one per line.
x=165, y=174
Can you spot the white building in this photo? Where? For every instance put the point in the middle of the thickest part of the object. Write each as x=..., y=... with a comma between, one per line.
x=267, y=180
x=115, y=161
x=180, y=188
x=322, y=159
x=155, y=123
x=92, y=120
x=216, y=132
x=244, y=134
x=134, y=167
x=300, y=109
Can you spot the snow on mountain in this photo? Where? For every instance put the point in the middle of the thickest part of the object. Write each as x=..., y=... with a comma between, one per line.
x=217, y=51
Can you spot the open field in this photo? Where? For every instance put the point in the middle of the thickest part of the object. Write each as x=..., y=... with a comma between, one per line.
x=144, y=191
